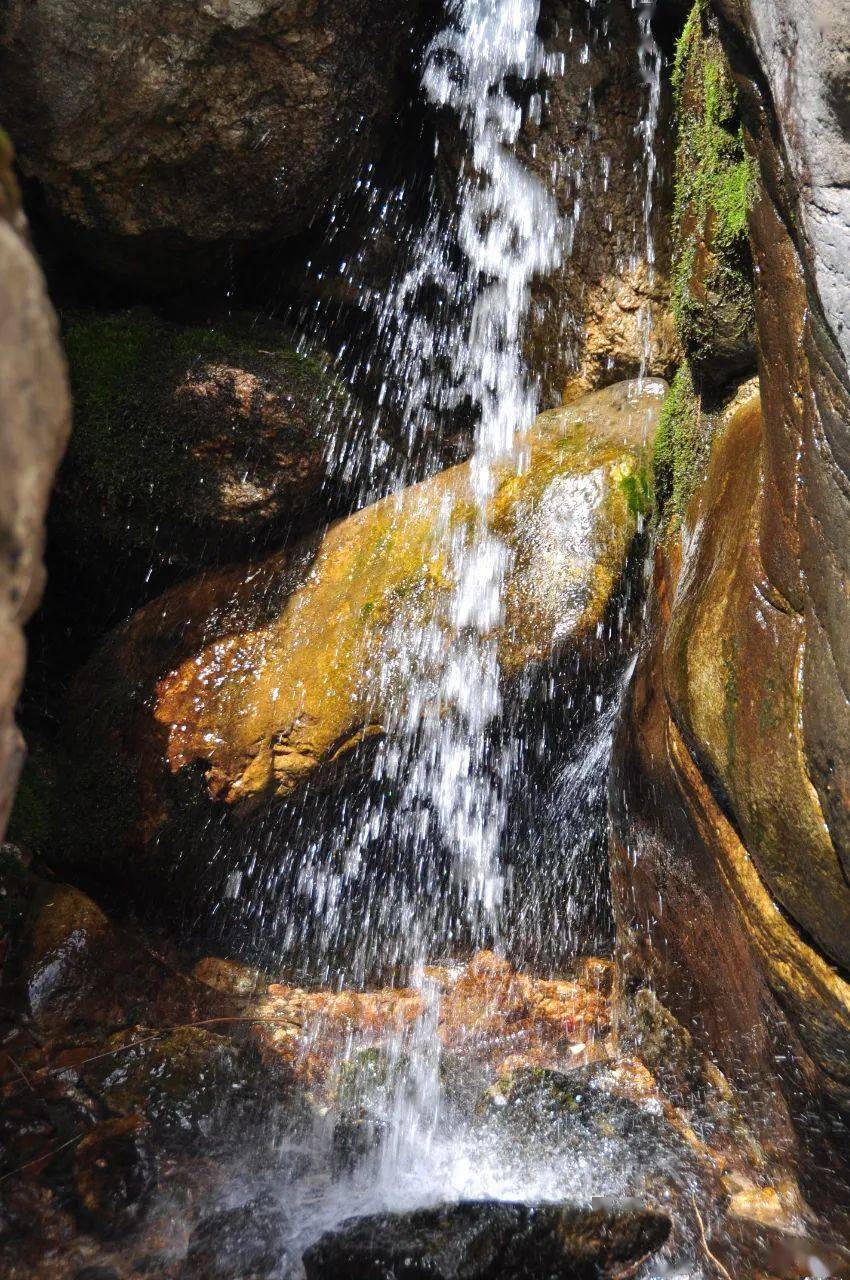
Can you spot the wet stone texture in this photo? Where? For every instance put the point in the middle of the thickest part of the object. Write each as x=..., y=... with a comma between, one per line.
x=730, y=790
x=241, y=688
x=490, y=1241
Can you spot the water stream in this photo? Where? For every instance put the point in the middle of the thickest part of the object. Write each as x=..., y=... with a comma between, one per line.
x=432, y=857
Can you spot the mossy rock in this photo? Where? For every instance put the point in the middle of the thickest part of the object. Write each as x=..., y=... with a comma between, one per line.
x=682, y=446
x=241, y=688
x=714, y=184
x=192, y=443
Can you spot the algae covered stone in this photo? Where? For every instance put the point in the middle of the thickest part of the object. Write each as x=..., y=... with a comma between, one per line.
x=192, y=442
x=254, y=683
x=714, y=183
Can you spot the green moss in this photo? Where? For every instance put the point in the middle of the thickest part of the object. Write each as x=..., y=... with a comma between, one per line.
x=715, y=181
x=638, y=491
x=682, y=444
x=135, y=471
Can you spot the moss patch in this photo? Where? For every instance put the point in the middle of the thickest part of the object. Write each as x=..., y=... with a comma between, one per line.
x=715, y=181
x=682, y=445
x=140, y=471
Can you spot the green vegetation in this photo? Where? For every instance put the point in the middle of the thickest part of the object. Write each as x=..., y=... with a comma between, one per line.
x=681, y=446
x=715, y=181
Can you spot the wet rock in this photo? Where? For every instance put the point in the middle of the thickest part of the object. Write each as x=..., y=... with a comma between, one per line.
x=715, y=178
x=190, y=1083
x=489, y=1240
x=114, y=1176
x=80, y=969
x=191, y=443
x=588, y=319
x=230, y=977
x=247, y=1242
x=154, y=153
x=36, y=420
x=716, y=811
x=255, y=684
x=356, y=1137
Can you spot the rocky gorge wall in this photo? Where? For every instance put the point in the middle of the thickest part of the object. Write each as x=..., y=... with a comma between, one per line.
x=729, y=795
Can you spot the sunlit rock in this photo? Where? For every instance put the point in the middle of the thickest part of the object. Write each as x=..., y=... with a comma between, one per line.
x=257, y=681
x=732, y=832
x=192, y=443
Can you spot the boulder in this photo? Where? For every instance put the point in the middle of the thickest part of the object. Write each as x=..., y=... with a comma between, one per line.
x=490, y=1240
x=158, y=134
x=192, y=443
x=114, y=1176
x=64, y=946
x=243, y=686
x=36, y=419
x=245, y=1241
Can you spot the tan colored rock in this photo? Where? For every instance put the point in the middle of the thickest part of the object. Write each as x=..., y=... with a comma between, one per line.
x=590, y=319
x=34, y=423
x=260, y=679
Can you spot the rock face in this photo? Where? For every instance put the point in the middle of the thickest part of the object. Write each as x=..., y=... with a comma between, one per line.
x=35, y=422
x=192, y=443
x=590, y=318
x=490, y=1240
x=732, y=771
x=156, y=131
x=811, y=109
x=258, y=681
x=715, y=810
x=714, y=185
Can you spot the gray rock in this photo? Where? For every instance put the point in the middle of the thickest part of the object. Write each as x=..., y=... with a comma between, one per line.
x=155, y=127
x=803, y=48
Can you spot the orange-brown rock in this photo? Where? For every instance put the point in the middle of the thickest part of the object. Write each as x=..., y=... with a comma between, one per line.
x=255, y=681
x=725, y=868
x=488, y=1012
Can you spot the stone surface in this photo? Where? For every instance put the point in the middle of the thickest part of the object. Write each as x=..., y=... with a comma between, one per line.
x=801, y=49
x=191, y=443
x=732, y=772
x=589, y=319
x=490, y=1240
x=155, y=132
x=66, y=945
x=246, y=1241
x=114, y=1176
x=713, y=188
x=254, y=683
x=36, y=416
x=715, y=812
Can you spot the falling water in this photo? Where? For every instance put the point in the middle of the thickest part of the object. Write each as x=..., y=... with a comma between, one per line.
x=411, y=867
